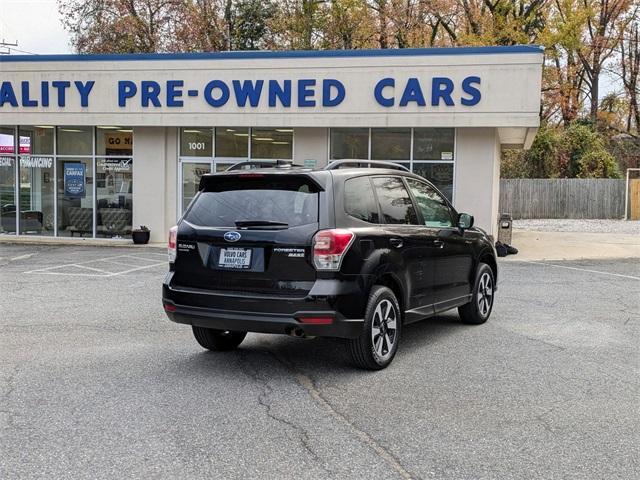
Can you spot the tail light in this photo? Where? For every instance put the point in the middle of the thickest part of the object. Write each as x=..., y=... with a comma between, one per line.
x=173, y=243
x=329, y=247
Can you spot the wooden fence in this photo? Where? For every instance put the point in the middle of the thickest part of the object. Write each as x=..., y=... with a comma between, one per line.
x=562, y=197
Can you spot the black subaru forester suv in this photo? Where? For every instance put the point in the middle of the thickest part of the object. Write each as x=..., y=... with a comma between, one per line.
x=348, y=252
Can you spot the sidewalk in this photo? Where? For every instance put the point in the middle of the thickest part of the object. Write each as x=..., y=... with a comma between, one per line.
x=534, y=245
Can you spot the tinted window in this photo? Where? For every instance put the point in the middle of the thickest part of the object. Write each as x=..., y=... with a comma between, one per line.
x=395, y=203
x=359, y=201
x=435, y=211
x=226, y=201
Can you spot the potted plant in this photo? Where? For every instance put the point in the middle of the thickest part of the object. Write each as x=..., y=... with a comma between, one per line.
x=141, y=235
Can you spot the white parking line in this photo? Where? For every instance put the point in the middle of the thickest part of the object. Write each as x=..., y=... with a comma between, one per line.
x=90, y=268
x=22, y=257
x=582, y=269
x=102, y=273
x=138, y=268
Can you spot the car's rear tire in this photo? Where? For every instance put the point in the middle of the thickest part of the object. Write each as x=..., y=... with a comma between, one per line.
x=218, y=340
x=378, y=343
x=479, y=309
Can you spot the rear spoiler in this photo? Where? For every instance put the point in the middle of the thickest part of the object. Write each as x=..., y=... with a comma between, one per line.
x=210, y=179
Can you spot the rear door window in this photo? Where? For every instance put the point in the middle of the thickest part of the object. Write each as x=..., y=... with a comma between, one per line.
x=359, y=200
x=395, y=203
x=255, y=202
x=434, y=209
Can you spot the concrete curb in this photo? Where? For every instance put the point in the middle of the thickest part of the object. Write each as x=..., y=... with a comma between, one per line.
x=83, y=242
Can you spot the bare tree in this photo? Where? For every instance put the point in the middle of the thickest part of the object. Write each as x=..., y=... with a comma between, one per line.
x=630, y=62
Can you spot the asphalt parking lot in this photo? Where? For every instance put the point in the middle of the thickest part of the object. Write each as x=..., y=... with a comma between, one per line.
x=95, y=382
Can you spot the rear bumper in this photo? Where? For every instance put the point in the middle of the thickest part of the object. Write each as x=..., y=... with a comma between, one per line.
x=336, y=300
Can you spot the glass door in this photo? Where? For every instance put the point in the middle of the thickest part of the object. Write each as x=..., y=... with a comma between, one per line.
x=190, y=173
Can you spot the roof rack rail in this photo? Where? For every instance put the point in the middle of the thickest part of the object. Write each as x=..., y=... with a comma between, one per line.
x=335, y=165
x=252, y=164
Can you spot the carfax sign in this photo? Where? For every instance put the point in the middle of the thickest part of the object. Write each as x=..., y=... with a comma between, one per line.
x=74, y=180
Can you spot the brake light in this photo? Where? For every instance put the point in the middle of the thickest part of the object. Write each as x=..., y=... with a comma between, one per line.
x=329, y=247
x=173, y=244
x=316, y=320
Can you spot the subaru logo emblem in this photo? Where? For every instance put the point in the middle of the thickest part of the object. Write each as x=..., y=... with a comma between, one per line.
x=232, y=236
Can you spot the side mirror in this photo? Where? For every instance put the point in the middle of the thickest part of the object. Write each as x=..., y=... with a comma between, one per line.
x=465, y=221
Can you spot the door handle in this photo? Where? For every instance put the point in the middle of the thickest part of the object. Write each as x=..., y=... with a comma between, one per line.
x=438, y=243
x=396, y=242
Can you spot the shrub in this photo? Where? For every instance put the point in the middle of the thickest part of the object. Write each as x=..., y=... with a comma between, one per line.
x=598, y=164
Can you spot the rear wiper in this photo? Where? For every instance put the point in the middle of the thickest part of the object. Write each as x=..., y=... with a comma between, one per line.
x=260, y=223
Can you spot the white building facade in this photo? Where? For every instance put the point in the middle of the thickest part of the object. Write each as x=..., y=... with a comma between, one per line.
x=93, y=145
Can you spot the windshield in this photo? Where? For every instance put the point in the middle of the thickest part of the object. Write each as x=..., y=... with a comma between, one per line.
x=238, y=202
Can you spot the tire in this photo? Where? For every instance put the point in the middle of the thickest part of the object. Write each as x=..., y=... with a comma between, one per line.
x=218, y=340
x=478, y=310
x=371, y=349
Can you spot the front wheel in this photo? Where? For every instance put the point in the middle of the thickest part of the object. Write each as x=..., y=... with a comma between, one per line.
x=477, y=311
x=218, y=340
x=376, y=346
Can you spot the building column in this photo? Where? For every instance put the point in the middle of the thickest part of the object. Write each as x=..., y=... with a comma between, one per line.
x=477, y=176
x=149, y=181
x=311, y=144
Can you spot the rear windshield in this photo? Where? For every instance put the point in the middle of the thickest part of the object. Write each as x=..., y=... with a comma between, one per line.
x=225, y=201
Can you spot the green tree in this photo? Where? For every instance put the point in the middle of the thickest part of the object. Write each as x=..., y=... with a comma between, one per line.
x=250, y=23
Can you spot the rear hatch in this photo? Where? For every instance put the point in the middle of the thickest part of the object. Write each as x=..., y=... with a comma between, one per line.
x=250, y=232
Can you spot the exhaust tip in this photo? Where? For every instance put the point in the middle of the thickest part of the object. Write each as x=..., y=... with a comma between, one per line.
x=295, y=332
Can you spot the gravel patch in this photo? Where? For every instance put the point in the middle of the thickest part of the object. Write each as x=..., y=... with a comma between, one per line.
x=582, y=225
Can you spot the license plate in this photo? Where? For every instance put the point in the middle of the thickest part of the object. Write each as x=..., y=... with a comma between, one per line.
x=235, y=258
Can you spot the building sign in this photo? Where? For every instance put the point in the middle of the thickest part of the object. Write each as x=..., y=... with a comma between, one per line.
x=114, y=164
x=36, y=162
x=118, y=141
x=465, y=87
x=247, y=93
x=6, y=144
x=74, y=180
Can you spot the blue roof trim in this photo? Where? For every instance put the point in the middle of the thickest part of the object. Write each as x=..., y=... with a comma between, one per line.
x=252, y=55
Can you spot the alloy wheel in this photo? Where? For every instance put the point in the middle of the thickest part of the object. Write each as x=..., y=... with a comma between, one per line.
x=384, y=329
x=485, y=294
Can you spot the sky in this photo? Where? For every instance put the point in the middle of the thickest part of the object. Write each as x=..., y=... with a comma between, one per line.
x=35, y=25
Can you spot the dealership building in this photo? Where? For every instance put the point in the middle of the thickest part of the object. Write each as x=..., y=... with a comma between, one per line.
x=93, y=145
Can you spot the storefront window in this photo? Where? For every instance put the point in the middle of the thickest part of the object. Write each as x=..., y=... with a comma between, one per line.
x=7, y=194
x=222, y=166
x=232, y=142
x=53, y=170
x=272, y=143
x=432, y=157
x=191, y=173
x=350, y=143
x=7, y=180
x=75, y=140
x=36, y=140
x=75, y=197
x=36, y=195
x=440, y=174
x=114, y=141
x=433, y=143
x=114, y=188
x=7, y=141
x=390, y=144
x=196, y=142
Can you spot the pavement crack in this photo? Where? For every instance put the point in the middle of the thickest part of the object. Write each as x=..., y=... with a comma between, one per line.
x=309, y=385
x=303, y=434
